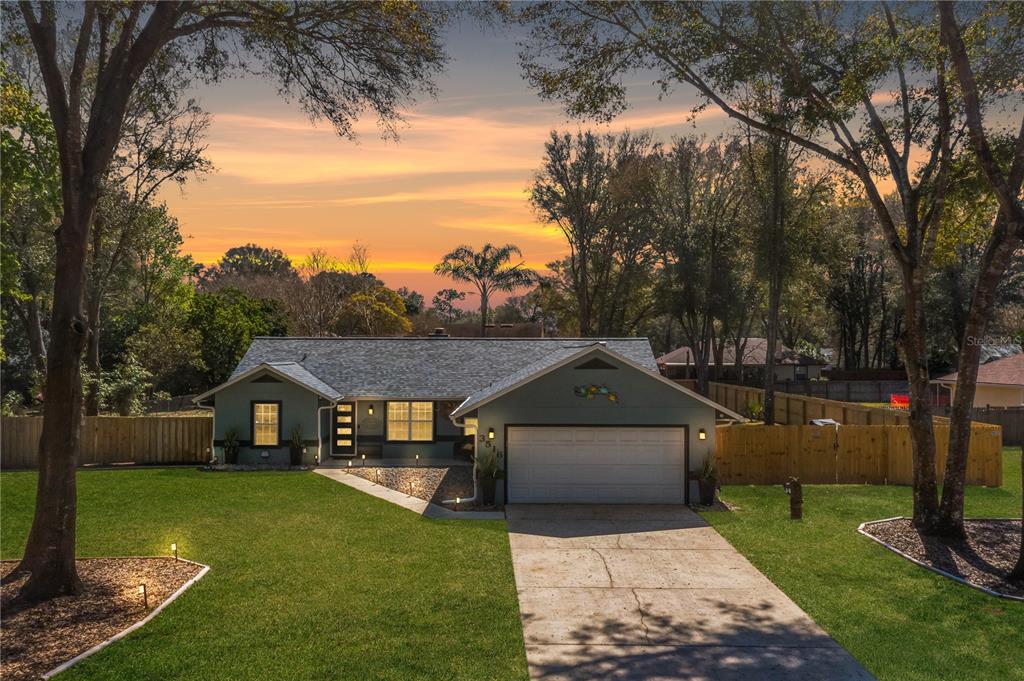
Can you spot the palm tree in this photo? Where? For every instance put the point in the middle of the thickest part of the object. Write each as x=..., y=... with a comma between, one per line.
x=489, y=270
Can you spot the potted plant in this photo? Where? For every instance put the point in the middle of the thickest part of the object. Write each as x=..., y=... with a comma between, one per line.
x=231, y=447
x=708, y=481
x=488, y=473
x=297, y=448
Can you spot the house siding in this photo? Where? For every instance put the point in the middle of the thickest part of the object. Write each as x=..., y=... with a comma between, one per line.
x=995, y=395
x=643, y=400
x=371, y=434
x=233, y=407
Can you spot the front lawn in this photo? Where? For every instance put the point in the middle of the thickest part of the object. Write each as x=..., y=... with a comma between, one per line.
x=310, y=579
x=900, y=620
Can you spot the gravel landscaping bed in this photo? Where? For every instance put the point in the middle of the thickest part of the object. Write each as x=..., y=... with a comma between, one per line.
x=38, y=638
x=430, y=483
x=983, y=559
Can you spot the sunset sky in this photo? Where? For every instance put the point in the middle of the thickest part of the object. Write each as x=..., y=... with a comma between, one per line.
x=458, y=174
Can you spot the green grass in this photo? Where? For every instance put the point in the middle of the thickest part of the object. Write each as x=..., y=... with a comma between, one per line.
x=900, y=620
x=309, y=579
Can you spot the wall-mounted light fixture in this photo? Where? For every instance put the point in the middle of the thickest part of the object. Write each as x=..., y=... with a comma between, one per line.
x=490, y=433
x=369, y=410
x=702, y=434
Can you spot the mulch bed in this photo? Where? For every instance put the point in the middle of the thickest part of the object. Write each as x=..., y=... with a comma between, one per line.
x=983, y=559
x=34, y=640
x=430, y=483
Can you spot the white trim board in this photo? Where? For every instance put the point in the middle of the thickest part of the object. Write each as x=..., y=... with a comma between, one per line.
x=124, y=632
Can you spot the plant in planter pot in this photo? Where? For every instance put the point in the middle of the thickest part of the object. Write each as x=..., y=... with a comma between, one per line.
x=296, y=449
x=488, y=472
x=707, y=482
x=231, y=447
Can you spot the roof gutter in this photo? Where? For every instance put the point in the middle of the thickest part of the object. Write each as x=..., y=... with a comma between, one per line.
x=213, y=430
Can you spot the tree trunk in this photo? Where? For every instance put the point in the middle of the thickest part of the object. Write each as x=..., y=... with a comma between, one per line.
x=34, y=333
x=771, y=332
x=483, y=314
x=994, y=264
x=92, y=355
x=50, y=550
x=700, y=366
x=922, y=435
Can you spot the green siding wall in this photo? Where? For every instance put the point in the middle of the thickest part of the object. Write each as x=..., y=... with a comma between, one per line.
x=642, y=400
x=298, y=407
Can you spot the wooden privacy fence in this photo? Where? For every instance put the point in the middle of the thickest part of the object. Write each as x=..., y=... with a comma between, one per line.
x=769, y=455
x=800, y=409
x=114, y=439
x=1010, y=418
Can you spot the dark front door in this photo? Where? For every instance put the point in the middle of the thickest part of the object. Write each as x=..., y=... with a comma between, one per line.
x=343, y=440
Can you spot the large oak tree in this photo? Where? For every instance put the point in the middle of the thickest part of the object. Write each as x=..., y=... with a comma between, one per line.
x=871, y=84
x=338, y=59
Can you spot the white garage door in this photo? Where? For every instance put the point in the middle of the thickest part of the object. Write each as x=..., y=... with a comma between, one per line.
x=596, y=465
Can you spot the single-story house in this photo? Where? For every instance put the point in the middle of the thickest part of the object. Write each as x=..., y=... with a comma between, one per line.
x=571, y=420
x=1000, y=383
x=790, y=365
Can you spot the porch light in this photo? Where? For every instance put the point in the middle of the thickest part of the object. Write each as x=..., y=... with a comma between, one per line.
x=174, y=550
x=369, y=410
x=702, y=434
x=490, y=433
x=145, y=596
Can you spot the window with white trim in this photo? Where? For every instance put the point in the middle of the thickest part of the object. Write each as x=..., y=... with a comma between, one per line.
x=410, y=421
x=266, y=420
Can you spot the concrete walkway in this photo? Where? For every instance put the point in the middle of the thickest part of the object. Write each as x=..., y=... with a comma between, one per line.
x=414, y=504
x=653, y=592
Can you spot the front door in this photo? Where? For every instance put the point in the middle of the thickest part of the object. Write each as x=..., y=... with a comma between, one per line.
x=343, y=442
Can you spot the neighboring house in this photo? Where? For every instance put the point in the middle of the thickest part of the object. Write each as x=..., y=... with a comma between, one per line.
x=1000, y=383
x=790, y=365
x=581, y=420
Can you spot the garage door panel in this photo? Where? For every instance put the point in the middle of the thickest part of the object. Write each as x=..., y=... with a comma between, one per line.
x=596, y=465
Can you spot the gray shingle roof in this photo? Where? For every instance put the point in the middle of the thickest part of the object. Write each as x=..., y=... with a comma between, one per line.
x=423, y=367
x=301, y=375
x=505, y=382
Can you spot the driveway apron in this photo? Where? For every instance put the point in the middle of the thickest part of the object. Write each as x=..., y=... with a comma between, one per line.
x=654, y=592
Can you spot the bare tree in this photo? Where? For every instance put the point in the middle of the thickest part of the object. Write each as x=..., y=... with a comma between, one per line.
x=339, y=59
x=867, y=83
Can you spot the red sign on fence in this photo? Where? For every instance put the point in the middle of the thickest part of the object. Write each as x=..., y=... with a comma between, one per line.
x=899, y=401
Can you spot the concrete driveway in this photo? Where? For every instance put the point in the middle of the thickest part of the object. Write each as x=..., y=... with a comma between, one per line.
x=653, y=592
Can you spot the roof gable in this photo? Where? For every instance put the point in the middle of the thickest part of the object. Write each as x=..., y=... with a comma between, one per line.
x=555, y=361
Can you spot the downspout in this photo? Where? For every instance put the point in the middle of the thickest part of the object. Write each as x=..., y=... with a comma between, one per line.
x=213, y=430
x=461, y=500
x=320, y=431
